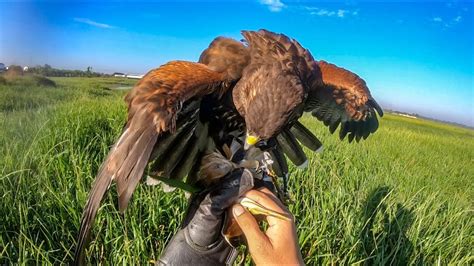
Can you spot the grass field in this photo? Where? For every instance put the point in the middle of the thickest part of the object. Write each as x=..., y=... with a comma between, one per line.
x=405, y=195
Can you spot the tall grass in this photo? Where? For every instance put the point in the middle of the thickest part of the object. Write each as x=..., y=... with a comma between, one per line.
x=405, y=195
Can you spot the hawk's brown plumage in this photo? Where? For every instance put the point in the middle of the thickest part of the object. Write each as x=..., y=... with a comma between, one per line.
x=155, y=105
x=181, y=109
x=286, y=80
x=270, y=88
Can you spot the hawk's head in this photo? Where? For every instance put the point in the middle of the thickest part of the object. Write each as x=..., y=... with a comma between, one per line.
x=270, y=100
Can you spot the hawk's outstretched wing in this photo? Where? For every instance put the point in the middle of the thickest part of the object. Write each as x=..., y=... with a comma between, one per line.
x=338, y=97
x=343, y=99
x=163, y=110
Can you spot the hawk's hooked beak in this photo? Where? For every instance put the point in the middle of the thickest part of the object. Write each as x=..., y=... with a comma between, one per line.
x=250, y=141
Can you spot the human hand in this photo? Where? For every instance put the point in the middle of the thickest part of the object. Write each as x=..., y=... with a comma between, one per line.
x=278, y=244
x=200, y=242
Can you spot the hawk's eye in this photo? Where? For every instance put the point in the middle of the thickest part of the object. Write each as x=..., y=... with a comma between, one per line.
x=266, y=144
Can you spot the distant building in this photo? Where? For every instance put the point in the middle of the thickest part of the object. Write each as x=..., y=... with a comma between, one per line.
x=134, y=76
x=2, y=67
x=407, y=115
x=25, y=68
x=120, y=75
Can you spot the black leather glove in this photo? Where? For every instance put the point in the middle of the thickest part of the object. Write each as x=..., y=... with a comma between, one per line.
x=200, y=240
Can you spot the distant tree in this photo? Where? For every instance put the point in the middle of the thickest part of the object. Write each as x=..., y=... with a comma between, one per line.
x=47, y=70
x=89, y=71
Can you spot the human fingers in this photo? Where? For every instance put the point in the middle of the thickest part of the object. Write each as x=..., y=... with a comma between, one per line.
x=249, y=226
x=270, y=204
x=265, y=199
x=274, y=197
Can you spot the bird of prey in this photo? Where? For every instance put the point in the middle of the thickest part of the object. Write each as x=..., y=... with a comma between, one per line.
x=255, y=89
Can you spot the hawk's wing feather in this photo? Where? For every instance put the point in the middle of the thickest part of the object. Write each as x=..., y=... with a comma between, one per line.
x=168, y=153
x=292, y=149
x=153, y=104
x=305, y=136
x=193, y=150
x=343, y=99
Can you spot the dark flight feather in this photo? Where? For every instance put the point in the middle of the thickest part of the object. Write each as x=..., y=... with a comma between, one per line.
x=291, y=148
x=195, y=147
x=305, y=137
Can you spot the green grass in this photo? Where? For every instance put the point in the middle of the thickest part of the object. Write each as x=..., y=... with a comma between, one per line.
x=405, y=195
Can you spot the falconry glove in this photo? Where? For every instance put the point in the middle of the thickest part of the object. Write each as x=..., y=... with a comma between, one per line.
x=200, y=240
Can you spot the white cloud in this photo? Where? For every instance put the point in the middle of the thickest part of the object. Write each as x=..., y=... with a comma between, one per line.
x=322, y=12
x=341, y=12
x=93, y=23
x=448, y=22
x=273, y=5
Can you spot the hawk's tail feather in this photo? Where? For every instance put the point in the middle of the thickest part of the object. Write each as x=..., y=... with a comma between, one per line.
x=96, y=194
x=124, y=163
x=305, y=137
x=292, y=148
x=139, y=156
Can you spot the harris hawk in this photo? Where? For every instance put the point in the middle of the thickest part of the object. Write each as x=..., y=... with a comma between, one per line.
x=256, y=90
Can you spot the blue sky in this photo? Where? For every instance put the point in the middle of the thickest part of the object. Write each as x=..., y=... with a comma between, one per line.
x=415, y=56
